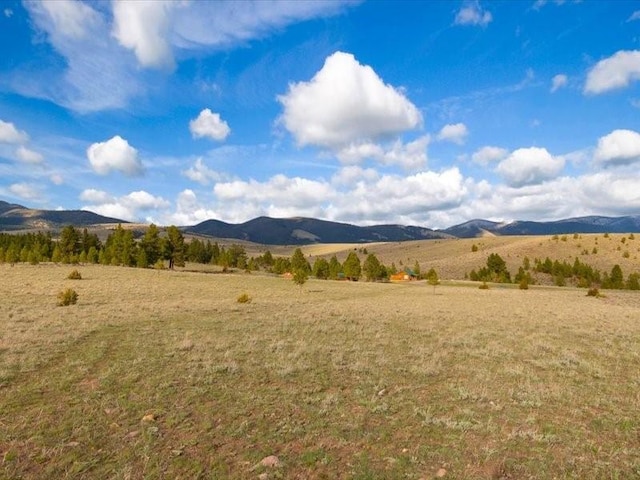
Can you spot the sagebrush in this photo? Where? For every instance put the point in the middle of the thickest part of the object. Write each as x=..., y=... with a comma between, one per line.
x=67, y=297
x=75, y=275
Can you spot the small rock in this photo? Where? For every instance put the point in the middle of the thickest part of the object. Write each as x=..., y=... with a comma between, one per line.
x=405, y=450
x=73, y=444
x=382, y=392
x=133, y=434
x=271, y=461
x=441, y=473
x=150, y=417
x=263, y=476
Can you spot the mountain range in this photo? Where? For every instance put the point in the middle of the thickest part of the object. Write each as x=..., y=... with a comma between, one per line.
x=298, y=231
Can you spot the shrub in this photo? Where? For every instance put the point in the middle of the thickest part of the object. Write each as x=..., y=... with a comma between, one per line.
x=484, y=286
x=244, y=298
x=74, y=275
x=524, y=284
x=159, y=265
x=474, y=248
x=67, y=297
x=593, y=292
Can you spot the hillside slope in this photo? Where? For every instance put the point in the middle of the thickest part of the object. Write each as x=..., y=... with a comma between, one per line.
x=453, y=258
x=300, y=231
x=18, y=217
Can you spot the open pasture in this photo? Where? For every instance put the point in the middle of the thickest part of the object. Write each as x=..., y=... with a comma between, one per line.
x=160, y=374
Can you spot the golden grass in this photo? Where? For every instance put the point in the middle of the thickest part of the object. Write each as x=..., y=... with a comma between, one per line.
x=160, y=374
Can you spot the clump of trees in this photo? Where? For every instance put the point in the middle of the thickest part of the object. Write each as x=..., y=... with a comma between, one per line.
x=562, y=273
x=495, y=271
x=121, y=247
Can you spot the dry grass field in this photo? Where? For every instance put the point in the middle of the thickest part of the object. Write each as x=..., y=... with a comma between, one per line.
x=160, y=374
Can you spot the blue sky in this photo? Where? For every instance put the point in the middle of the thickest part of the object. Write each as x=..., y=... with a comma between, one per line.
x=422, y=113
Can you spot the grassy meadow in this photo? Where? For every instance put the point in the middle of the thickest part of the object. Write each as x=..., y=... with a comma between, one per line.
x=161, y=374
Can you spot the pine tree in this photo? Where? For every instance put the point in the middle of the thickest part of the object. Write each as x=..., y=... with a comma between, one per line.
x=335, y=268
x=69, y=243
x=174, y=247
x=373, y=269
x=352, y=267
x=300, y=277
x=321, y=268
x=151, y=244
x=432, y=279
x=299, y=262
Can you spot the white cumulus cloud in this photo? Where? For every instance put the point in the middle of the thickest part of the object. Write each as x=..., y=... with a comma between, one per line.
x=611, y=193
x=488, y=154
x=401, y=199
x=143, y=27
x=620, y=147
x=472, y=13
x=353, y=174
x=190, y=210
x=29, y=156
x=411, y=155
x=354, y=195
x=559, y=81
x=209, y=124
x=530, y=166
x=345, y=102
x=131, y=207
x=10, y=134
x=281, y=190
x=202, y=174
x=454, y=133
x=114, y=155
x=96, y=197
x=614, y=72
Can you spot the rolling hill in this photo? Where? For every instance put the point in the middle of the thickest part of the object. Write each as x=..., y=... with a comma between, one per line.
x=18, y=217
x=300, y=231
x=590, y=224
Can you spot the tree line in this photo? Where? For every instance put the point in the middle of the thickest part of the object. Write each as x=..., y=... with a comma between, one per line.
x=562, y=273
x=159, y=247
